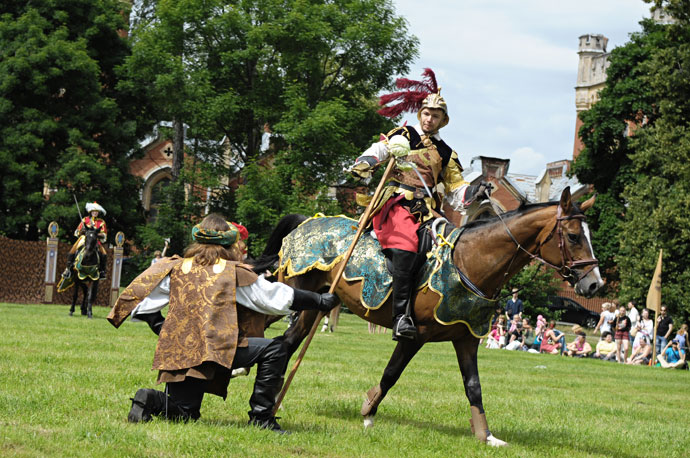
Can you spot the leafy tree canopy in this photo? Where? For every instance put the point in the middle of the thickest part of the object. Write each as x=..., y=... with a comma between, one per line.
x=641, y=170
x=65, y=128
x=311, y=70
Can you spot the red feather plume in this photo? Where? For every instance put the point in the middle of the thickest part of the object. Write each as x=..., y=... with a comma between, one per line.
x=412, y=97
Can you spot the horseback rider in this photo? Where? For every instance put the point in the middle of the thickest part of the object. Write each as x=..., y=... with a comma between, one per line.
x=93, y=221
x=411, y=196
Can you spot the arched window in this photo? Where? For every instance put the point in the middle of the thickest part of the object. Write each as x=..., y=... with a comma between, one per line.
x=158, y=194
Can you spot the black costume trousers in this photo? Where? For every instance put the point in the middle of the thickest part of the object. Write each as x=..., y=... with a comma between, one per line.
x=270, y=355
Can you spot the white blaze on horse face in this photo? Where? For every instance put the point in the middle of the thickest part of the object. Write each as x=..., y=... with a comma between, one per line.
x=584, y=286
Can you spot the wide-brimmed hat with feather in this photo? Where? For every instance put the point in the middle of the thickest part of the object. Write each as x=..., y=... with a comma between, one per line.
x=91, y=206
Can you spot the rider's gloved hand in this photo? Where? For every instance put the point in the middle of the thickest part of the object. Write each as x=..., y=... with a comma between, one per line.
x=309, y=300
x=478, y=191
x=362, y=170
x=328, y=302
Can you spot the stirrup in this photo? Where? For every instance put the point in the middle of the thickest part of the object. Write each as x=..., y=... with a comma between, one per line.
x=102, y=275
x=67, y=273
x=404, y=328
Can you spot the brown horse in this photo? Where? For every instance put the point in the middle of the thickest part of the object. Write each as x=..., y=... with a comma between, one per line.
x=489, y=252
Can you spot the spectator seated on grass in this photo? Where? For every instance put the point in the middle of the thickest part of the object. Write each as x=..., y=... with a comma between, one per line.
x=606, y=348
x=642, y=354
x=672, y=357
x=579, y=348
x=553, y=340
x=497, y=336
x=515, y=337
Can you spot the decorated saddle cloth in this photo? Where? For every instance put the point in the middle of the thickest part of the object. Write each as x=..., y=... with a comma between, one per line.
x=321, y=243
x=84, y=272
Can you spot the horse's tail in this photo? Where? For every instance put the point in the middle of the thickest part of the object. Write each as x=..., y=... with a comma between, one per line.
x=269, y=258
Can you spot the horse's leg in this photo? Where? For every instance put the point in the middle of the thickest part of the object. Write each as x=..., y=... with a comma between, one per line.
x=85, y=297
x=466, y=351
x=402, y=355
x=74, y=299
x=93, y=290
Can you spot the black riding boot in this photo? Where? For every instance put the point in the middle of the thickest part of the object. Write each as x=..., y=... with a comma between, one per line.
x=148, y=402
x=102, y=260
x=404, y=269
x=269, y=380
x=70, y=263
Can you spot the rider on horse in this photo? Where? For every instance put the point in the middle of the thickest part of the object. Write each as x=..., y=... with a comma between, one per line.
x=411, y=196
x=93, y=221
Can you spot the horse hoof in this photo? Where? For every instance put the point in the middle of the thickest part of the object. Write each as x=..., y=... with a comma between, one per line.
x=71, y=313
x=495, y=442
x=368, y=422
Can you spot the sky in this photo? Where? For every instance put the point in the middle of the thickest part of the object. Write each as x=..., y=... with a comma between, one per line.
x=508, y=70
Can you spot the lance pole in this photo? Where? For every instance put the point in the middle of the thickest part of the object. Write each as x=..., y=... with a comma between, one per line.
x=363, y=222
x=77, y=202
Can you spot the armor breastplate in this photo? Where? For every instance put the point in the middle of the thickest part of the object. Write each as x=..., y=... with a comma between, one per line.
x=428, y=163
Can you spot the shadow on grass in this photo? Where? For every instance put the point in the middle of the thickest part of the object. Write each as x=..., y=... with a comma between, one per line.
x=530, y=439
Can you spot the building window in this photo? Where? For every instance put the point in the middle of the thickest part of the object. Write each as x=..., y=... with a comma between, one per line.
x=158, y=194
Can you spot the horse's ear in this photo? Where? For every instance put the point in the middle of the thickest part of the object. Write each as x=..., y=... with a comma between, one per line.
x=587, y=204
x=566, y=202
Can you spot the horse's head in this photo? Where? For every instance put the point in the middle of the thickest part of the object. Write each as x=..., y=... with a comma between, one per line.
x=90, y=238
x=568, y=246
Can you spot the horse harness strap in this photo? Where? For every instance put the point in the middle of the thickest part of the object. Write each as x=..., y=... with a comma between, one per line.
x=566, y=270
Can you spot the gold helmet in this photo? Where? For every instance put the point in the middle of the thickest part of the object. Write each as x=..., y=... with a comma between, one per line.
x=436, y=102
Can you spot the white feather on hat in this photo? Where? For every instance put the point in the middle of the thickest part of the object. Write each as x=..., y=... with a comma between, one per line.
x=91, y=206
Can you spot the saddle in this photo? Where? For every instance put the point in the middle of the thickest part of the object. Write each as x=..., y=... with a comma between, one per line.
x=321, y=243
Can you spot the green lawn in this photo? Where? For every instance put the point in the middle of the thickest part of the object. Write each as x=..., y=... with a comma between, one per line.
x=65, y=384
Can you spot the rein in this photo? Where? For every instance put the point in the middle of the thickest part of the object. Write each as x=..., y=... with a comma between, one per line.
x=566, y=270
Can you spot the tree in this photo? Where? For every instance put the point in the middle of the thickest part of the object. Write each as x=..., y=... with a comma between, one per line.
x=645, y=175
x=65, y=124
x=604, y=162
x=310, y=69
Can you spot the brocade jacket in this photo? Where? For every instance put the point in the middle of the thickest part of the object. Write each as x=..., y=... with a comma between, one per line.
x=204, y=325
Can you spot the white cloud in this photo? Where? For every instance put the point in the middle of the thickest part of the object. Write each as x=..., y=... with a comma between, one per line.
x=508, y=69
x=526, y=160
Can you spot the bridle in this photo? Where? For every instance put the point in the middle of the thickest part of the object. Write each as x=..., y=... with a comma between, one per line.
x=568, y=265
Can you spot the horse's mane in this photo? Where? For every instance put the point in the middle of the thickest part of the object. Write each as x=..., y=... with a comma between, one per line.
x=521, y=210
x=269, y=257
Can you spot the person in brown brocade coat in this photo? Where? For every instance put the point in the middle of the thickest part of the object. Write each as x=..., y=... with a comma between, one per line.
x=214, y=324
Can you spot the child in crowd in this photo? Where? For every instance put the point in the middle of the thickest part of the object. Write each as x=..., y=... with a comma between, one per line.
x=497, y=336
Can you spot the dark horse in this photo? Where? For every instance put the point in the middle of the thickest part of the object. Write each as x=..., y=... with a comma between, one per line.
x=489, y=252
x=85, y=272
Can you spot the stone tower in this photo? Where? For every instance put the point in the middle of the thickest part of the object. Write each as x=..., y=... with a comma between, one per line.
x=591, y=78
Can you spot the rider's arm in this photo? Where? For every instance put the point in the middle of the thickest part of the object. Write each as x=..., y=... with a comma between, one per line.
x=80, y=228
x=396, y=142
x=455, y=185
x=149, y=310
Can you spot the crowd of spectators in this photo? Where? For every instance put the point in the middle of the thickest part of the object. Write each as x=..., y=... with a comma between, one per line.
x=626, y=335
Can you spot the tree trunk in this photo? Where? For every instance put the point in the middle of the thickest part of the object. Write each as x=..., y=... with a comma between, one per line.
x=178, y=148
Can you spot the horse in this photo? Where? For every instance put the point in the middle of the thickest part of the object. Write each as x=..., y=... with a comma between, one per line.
x=85, y=273
x=489, y=252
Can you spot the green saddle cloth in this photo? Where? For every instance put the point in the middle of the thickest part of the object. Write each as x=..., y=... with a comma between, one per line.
x=82, y=271
x=322, y=241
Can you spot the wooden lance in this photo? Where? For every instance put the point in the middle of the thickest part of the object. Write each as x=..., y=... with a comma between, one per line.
x=363, y=222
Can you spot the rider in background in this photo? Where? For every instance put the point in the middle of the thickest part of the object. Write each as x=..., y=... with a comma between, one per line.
x=91, y=220
x=411, y=197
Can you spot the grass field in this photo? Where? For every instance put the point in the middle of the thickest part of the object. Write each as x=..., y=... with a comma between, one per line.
x=65, y=384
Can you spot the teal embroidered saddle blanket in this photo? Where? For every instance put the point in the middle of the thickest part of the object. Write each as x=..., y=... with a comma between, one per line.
x=322, y=241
